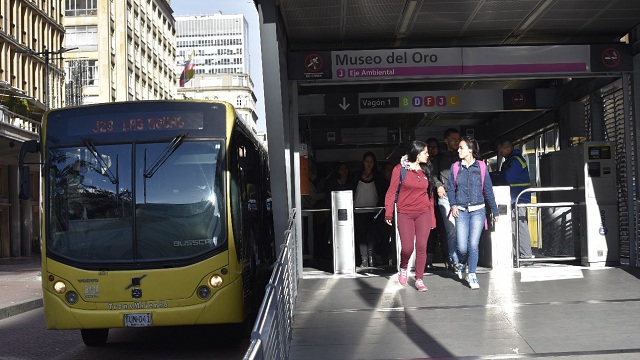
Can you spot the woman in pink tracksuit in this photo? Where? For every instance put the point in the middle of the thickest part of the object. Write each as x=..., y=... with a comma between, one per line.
x=411, y=188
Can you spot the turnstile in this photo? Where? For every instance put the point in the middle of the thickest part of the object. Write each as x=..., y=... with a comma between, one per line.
x=344, y=258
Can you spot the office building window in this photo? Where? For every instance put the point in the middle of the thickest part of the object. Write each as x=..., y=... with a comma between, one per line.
x=237, y=81
x=83, y=37
x=82, y=72
x=81, y=7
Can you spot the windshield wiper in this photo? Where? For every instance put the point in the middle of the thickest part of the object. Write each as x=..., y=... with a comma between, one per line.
x=173, y=146
x=88, y=143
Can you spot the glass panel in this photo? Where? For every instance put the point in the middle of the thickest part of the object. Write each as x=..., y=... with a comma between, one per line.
x=178, y=209
x=529, y=153
x=90, y=203
x=178, y=199
x=551, y=141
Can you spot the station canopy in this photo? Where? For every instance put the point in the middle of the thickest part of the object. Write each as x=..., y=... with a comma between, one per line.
x=363, y=25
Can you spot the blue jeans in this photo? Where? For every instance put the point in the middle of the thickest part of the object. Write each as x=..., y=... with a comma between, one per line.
x=469, y=227
x=449, y=227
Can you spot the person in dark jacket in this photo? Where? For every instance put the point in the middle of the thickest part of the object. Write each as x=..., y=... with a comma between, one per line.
x=438, y=237
x=368, y=192
x=339, y=179
x=467, y=194
x=516, y=174
x=443, y=164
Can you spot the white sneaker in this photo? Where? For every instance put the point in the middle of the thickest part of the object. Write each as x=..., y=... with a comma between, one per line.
x=473, y=281
x=402, y=277
x=460, y=268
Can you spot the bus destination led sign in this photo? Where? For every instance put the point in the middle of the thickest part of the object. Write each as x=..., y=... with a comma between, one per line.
x=135, y=122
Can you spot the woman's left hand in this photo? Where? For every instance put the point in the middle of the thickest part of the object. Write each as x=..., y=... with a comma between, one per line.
x=454, y=211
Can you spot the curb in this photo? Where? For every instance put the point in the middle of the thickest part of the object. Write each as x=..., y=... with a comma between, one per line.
x=20, y=308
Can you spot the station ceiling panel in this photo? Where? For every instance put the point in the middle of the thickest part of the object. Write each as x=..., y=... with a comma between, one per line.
x=349, y=25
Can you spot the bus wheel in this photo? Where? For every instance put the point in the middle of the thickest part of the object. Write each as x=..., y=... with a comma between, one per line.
x=94, y=337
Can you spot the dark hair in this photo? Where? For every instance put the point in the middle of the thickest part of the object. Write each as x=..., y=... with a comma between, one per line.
x=433, y=140
x=339, y=165
x=505, y=142
x=450, y=131
x=371, y=154
x=473, y=145
x=414, y=148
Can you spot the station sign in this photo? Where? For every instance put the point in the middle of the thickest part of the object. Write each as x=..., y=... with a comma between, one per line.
x=431, y=101
x=393, y=64
x=341, y=104
x=369, y=64
x=355, y=136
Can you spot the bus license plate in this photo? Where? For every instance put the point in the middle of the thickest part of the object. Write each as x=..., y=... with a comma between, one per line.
x=137, y=320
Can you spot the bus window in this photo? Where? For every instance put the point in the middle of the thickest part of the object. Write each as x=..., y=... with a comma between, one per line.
x=85, y=193
x=177, y=206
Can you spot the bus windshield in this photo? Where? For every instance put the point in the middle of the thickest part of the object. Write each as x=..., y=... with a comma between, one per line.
x=104, y=205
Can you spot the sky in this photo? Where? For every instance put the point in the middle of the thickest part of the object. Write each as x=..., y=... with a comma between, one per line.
x=233, y=7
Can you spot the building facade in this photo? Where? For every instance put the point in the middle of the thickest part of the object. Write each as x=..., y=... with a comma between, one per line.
x=220, y=43
x=236, y=89
x=220, y=47
x=31, y=43
x=31, y=80
x=56, y=53
x=125, y=51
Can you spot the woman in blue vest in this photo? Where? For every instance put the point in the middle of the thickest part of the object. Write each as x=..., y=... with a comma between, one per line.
x=467, y=192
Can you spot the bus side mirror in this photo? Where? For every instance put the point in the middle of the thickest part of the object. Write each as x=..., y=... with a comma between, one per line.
x=31, y=146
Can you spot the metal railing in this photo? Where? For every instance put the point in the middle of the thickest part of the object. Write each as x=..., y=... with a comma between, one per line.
x=309, y=235
x=18, y=121
x=540, y=205
x=271, y=335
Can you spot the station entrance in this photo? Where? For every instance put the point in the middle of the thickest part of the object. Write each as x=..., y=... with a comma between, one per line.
x=544, y=99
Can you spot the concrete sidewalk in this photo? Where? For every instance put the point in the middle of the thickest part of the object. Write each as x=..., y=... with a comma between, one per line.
x=544, y=311
x=20, y=285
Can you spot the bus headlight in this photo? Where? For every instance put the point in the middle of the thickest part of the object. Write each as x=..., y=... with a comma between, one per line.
x=215, y=281
x=203, y=292
x=71, y=297
x=60, y=287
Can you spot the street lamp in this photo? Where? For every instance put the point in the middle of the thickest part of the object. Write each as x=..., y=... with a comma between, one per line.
x=47, y=54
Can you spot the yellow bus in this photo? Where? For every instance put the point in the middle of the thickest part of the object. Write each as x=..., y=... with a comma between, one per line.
x=154, y=213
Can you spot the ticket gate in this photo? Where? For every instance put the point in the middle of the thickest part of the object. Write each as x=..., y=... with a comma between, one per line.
x=342, y=226
x=593, y=223
x=496, y=246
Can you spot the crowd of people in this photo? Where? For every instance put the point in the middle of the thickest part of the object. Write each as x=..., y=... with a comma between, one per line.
x=439, y=197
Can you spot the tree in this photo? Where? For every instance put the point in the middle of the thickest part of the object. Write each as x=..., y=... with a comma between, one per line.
x=17, y=105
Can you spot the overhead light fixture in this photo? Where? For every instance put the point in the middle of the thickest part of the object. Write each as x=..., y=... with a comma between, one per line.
x=407, y=15
x=529, y=21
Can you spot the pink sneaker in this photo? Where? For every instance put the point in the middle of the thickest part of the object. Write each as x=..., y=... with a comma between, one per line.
x=402, y=276
x=421, y=286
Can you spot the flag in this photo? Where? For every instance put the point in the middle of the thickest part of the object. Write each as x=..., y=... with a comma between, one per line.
x=188, y=71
